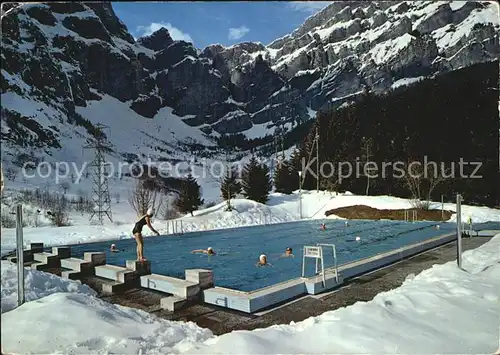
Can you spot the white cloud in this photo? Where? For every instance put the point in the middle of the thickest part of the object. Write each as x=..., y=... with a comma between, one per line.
x=175, y=33
x=308, y=6
x=237, y=33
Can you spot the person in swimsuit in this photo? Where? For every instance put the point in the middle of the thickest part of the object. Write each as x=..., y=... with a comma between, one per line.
x=263, y=261
x=137, y=232
x=288, y=253
x=209, y=251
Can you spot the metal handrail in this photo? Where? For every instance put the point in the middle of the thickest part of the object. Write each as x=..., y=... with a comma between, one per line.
x=320, y=256
x=334, y=259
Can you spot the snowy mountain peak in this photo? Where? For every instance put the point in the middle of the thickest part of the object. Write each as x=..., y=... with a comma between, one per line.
x=157, y=41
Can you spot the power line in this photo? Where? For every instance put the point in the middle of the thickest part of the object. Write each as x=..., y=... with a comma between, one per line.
x=100, y=189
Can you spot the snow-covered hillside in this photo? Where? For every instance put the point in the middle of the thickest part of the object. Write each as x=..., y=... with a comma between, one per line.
x=441, y=310
x=67, y=67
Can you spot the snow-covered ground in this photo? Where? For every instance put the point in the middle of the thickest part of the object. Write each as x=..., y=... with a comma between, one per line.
x=280, y=208
x=38, y=284
x=441, y=310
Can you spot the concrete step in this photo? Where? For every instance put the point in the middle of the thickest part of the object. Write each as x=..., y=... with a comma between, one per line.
x=36, y=248
x=47, y=258
x=109, y=287
x=95, y=258
x=27, y=257
x=172, y=303
x=140, y=267
x=202, y=277
x=115, y=273
x=37, y=265
x=79, y=265
x=71, y=274
x=62, y=252
x=167, y=284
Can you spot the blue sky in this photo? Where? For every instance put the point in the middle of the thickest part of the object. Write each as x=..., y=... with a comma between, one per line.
x=227, y=23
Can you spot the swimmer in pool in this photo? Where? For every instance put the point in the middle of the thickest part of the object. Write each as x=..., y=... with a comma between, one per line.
x=323, y=226
x=263, y=261
x=209, y=251
x=288, y=253
x=113, y=248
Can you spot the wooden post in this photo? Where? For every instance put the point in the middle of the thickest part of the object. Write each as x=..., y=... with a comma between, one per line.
x=442, y=208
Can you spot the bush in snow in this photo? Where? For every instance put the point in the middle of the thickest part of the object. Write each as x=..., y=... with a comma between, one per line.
x=64, y=186
x=210, y=204
x=11, y=174
x=8, y=221
x=59, y=215
x=83, y=204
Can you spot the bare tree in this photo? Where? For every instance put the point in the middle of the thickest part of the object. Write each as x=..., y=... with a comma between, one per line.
x=169, y=211
x=329, y=184
x=59, y=214
x=142, y=197
x=421, y=182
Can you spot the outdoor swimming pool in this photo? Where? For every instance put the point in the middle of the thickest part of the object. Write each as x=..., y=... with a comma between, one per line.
x=239, y=248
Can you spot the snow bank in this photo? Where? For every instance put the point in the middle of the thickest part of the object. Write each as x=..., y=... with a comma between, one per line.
x=78, y=324
x=442, y=310
x=37, y=285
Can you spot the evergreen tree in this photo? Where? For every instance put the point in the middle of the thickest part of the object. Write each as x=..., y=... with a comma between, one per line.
x=230, y=185
x=282, y=178
x=294, y=168
x=189, y=198
x=255, y=181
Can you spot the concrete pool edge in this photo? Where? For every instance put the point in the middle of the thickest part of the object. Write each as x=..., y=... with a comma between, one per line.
x=257, y=300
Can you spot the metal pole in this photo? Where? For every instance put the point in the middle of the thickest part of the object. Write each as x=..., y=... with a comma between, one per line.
x=20, y=255
x=442, y=207
x=323, y=267
x=303, y=264
x=459, y=230
x=317, y=160
x=300, y=194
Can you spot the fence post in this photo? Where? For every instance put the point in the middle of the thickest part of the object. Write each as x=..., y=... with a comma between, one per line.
x=459, y=230
x=20, y=255
x=442, y=207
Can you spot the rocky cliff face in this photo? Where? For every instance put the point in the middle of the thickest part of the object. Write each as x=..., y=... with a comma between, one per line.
x=68, y=55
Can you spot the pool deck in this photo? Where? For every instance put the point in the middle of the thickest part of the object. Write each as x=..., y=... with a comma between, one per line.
x=223, y=320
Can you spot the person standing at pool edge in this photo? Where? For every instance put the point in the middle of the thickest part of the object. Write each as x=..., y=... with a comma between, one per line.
x=137, y=232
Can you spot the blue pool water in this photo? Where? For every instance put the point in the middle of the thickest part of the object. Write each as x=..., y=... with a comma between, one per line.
x=239, y=248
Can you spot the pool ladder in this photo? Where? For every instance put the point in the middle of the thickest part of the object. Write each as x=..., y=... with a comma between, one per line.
x=316, y=252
